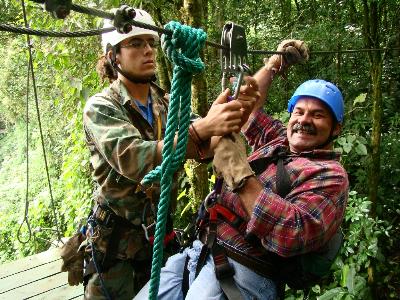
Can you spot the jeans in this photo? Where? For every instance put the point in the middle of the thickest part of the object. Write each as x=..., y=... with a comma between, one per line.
x=206, y=286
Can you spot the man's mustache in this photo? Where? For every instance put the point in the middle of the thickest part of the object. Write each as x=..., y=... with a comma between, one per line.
x=308, y=128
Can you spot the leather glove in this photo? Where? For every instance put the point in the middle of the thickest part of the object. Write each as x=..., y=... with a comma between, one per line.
x=230, y=161
x=296, y=51
x=72, y=257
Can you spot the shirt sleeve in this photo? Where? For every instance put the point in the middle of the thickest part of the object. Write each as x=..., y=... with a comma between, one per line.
x=307, y=218
x=263, y=130
x=118, y=140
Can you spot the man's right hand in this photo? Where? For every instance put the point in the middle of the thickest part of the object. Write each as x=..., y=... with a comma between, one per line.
x=226, y=117
x=223, y=118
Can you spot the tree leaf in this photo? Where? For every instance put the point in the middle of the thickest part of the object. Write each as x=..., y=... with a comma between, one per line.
x=331, y=294
x=361, y=149
x=360, y=98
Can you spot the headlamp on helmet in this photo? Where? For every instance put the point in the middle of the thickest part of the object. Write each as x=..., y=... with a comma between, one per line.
x=114, y=37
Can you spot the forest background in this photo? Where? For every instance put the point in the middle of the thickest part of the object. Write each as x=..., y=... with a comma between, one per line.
x=32, y=214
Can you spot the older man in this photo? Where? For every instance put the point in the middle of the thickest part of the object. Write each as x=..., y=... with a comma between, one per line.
x=285, y=202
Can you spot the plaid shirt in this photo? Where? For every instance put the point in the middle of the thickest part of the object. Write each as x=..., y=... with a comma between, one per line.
x=311, y=212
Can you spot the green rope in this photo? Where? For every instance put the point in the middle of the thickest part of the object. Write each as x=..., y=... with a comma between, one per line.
x=182, y=49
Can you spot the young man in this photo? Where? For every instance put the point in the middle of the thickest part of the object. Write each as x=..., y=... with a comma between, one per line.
x=124, y=127
x=277, y=223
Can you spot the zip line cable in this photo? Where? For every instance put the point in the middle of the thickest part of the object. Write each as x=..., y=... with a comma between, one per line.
x=50, y=33
x=41, y=137
x=94, y=32
x=108, y=15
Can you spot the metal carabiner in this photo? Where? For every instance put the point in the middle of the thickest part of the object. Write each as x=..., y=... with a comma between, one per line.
x=243, y=69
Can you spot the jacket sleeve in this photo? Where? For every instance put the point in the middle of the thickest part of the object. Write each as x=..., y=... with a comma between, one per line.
x=117, y=139
x=309, y=215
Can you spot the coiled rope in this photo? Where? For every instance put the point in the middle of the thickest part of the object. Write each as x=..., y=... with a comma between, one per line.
x=182, y=48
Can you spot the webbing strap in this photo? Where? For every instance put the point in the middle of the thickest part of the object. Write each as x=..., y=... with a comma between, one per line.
x=283, y=184
x=223, y=269
x=224, y=273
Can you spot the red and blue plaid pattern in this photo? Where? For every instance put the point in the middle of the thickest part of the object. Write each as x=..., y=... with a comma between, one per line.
x=312, y=211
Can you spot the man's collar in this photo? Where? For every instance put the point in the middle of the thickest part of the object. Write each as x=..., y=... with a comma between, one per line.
x=319, y=153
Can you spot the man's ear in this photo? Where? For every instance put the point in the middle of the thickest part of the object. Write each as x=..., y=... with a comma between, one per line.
x=110, y=54
x=337, y=130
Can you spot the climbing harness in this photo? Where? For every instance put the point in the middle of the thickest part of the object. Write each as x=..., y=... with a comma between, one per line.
x=299, y=272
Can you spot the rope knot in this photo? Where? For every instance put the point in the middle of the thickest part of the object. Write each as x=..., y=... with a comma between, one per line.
x=183, y=46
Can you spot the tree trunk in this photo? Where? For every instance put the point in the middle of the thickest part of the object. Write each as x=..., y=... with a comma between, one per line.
x=164, y=72
x=193, y=12
x=372, y=20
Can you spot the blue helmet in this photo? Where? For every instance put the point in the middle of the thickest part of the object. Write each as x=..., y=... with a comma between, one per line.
x=323, y=90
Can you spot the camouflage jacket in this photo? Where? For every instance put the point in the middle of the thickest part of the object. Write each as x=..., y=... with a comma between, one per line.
x=123, y=150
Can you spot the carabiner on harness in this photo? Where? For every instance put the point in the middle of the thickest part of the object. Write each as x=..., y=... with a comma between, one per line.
x=214, y=195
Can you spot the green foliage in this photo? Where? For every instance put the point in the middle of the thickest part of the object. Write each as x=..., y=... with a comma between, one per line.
x=360, y=248
x=65, y=76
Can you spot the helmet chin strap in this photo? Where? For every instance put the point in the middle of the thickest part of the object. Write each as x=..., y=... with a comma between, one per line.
x=130, y=77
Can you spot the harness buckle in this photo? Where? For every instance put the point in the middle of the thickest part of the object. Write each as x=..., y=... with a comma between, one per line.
x=210, y=200
x=101, y=215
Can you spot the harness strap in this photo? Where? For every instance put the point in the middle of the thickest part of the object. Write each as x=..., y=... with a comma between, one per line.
x=223, y=269
x=185, y=279
x=224, y=273
x=283, y=183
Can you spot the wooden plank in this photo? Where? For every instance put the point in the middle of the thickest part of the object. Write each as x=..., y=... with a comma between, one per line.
x=62, y=292
x=32, y=261
x=43, y=288
x=37, y=277
x=23, y=278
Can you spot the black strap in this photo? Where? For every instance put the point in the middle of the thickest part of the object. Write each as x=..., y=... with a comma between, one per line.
x=224, y=273
x=223, y=269
x=185, y=279
x=283, y=183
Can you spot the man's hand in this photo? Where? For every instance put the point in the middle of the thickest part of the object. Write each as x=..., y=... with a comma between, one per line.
x=248, y=97
x=295, y=51
x=230, y=161
x=222, y=118
x=72, y=259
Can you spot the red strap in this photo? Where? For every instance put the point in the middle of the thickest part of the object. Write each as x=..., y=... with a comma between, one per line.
x=168, y=237
x=226, y=213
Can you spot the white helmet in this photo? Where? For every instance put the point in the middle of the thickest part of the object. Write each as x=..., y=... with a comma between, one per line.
x=114, y=37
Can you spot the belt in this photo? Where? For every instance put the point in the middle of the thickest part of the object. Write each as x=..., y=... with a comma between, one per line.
x=266, y=266
x=106, y=217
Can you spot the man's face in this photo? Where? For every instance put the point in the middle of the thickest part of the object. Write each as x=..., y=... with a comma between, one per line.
x=310, y=125
x=137, y=56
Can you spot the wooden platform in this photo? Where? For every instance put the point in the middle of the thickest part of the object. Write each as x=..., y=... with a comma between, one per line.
x=37, y=277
